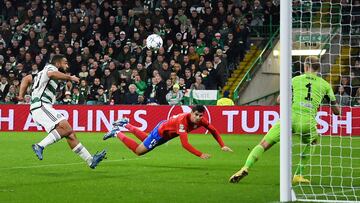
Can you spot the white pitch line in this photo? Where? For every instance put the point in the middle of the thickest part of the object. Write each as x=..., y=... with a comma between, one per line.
x=68, y=164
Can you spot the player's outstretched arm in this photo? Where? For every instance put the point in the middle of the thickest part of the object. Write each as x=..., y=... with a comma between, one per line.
x=335, y=108
x=185, y=143
x=57, y=75
x=25, y=83
x=215, y=133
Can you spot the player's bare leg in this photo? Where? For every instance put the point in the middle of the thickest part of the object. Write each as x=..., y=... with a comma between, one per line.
x=252, y=158
x=141, y=150
x=63, y=129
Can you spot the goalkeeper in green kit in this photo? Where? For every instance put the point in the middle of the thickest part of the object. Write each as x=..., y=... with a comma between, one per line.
x=308, y=92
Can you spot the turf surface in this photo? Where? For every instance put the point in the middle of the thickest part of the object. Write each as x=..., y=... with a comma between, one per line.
x=167, y=174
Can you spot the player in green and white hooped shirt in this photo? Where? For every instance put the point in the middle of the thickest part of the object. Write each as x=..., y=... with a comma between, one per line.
x=44, y=86
x=308, y=92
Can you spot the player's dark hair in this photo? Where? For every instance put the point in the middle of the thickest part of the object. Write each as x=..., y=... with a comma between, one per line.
x=57, y=58
x=313, y=62
x=198, y=108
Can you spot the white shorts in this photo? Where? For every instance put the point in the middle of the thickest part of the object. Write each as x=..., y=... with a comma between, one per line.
x=47, y=117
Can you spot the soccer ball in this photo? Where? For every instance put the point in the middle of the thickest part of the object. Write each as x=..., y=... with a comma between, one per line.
x=154, y=41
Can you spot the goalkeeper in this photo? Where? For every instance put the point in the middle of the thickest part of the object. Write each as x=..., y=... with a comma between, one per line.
x=308, y=92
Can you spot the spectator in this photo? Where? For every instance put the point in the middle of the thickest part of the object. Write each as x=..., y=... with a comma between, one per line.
x=83, y=72
x=93, y=92
x=11, y=95
x=345, y=82
x=83, y=88
x=221, y=71
x=182, y=85
x=342, y=97
x=197, y=85
x=165, y=71
x=115, y=95
x=131, y=97
x=174, y=97
x=193, y=56
x=77, y=97
x=257, y=14
x=67, y=99
x=34, y=69
x=210, y=76
x=189, y=79
x=107, y=79
x=16, y=84
x=169, y=85
x=174, y=77
x=356, y=100
x=4, y=88
x=161, y=90
x=140, y=85
x=142, y=71
x=150, y=92
x=101, y=96
x=125, y=74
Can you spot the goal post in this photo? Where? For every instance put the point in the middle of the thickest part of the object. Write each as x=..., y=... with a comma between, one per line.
x=285, y=99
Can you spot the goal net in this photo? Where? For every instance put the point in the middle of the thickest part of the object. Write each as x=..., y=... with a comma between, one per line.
x=330, y=30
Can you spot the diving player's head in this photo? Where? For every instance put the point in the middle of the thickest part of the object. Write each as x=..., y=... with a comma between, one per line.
x=60, y=62
x=197, y=112
x=311, y=64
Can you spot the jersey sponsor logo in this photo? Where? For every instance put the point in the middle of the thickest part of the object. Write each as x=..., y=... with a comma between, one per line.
x=306, y=104
x=181, y=128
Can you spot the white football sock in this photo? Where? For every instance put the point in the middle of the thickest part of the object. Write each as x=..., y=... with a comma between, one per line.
x=83, y=153
x=52, y=137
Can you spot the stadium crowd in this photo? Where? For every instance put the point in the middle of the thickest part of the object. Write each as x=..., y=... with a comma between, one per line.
x=104, y=42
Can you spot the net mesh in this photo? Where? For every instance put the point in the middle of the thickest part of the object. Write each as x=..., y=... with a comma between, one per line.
x=334, y=164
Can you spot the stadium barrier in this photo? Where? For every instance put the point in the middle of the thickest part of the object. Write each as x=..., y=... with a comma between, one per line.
x=228, y=120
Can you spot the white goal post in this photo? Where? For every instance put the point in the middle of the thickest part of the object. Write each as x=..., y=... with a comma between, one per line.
x=285, y=99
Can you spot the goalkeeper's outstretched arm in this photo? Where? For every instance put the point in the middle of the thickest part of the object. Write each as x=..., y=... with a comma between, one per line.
x=335, y=108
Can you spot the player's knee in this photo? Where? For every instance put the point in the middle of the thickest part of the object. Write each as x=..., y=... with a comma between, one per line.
x=68, y=131
x=139, y=152
x=71, y=134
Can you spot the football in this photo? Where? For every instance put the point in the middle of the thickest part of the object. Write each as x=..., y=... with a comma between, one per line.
x=154, y=41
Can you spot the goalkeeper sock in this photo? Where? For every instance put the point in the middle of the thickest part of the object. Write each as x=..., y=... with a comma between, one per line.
x=52, y=137
x=130, y=143
x=304, y=158
x=136, y=131
x=254, y=156
x=83, y=153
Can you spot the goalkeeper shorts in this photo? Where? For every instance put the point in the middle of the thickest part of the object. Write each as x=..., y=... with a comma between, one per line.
x=302, y=125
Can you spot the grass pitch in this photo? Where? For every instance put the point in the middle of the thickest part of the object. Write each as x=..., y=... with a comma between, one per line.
x=167, y=174
x=170, y=173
